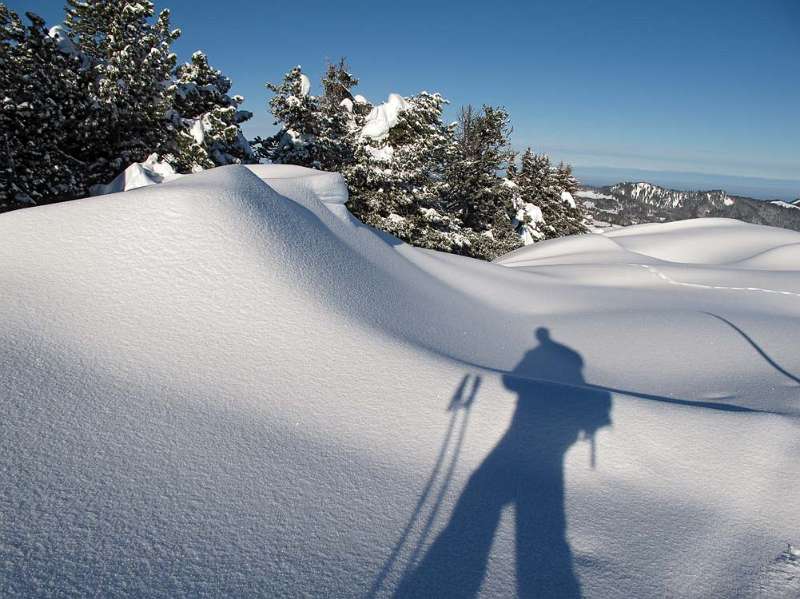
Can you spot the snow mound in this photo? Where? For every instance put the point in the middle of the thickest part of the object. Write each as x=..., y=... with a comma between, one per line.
x=705, y=240
x=290, y=180
x=142, y=174
x=784, y=257
x=219, y=387
x=702, y=241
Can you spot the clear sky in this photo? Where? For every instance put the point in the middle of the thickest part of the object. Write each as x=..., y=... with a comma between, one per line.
x=709, y=86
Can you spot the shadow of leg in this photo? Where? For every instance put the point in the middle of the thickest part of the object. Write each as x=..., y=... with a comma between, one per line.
x=543, y=556
x=455, y=564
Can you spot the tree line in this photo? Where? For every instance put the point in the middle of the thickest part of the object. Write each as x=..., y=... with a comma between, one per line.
x=83, y=100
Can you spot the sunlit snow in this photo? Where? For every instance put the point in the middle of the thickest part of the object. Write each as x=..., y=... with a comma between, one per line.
x=227, y=386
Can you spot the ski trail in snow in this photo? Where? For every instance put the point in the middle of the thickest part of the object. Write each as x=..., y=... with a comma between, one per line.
x=672, y=281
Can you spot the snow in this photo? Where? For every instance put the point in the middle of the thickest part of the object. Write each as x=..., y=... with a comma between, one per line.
x=305, y=84
x=359, y=99
x=383, y=117
x=219, y=387
x=592, y=195
x=197, y=131
x=783, y=204
x=305, y=184
x=347, y=104
x=141, y=174
x=384, y=154
x=781, y=578
x=567, y=197
x=61, y=34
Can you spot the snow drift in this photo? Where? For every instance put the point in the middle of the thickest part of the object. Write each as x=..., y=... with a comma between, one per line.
x=227, y=386
x=139, y=174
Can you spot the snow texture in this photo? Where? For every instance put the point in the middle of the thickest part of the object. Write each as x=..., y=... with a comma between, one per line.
x=218, y=387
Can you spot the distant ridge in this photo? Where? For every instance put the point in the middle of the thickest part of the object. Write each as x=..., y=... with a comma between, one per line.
x=631, y=203
x=760, y=188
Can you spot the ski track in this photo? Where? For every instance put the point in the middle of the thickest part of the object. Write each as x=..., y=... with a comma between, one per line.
x=672, y=281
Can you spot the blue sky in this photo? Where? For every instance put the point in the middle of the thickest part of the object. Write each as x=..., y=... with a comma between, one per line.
x=708, y=86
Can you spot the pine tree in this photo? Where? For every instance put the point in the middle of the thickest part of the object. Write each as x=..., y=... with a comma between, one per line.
x=474, y=190
x=527, y=216
x=131, y=63
x=42, y=111
x=341, y=117
x=316, y=131
x=337, y=85
x=396, y=180
x=548, y=190
x=296, y=112
x=565, y=179
x=207, y=119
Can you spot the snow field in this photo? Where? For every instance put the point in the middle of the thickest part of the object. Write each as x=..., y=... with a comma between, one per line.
x=227, y=386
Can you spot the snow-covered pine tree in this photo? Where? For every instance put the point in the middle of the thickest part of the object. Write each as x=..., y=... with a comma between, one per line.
x=337, y=86
x=473, y=187
x=342, y=116
x=296, y=111
x=547, y=189
x=207, y=119
x=565, y=178
x=316, y=131
x=396, y=181
x=302, y=138
x=42, y=110
x=528, y=216
x=128, y=51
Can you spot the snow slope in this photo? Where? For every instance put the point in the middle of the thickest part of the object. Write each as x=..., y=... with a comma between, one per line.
x=213, y=389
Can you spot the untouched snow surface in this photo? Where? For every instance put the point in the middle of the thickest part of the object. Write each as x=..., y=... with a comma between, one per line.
x=212, y=389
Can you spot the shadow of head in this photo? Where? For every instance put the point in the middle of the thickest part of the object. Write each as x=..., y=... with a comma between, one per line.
x=548, y=361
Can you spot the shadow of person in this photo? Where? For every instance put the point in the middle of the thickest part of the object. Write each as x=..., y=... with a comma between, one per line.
x=524, y=470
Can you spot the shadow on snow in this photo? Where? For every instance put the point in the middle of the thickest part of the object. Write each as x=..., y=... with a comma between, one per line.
x=525, y=470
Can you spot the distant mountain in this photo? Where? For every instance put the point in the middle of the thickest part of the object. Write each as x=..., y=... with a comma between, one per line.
x=641, y=202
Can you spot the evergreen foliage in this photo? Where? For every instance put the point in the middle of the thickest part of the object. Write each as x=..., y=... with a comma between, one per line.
x=207, y=119
x=549, y=189
x=474, y=190
x=433, y=185
x=80, y=103
x=132, y=64
x=396, y=182
x=42, y=112
x=317, y=132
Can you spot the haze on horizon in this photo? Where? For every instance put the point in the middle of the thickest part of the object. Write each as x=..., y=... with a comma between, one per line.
x=707, y=90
